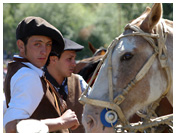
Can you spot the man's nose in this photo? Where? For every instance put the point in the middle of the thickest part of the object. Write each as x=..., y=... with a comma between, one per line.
x=74, y=63
x=43, y=50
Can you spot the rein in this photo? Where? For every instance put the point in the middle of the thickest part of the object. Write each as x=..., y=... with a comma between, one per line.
x=160, y=51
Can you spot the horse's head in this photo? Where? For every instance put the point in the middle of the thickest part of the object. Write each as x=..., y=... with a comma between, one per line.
x=96, y=52
x=132, y=75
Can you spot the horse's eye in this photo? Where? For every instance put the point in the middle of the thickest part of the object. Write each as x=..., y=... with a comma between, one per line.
x=126, y=57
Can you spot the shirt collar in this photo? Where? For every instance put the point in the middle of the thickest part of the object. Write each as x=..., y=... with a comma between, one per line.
x=36, y=69
x=52, y=80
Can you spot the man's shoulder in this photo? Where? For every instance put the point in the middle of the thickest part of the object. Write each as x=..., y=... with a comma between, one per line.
x=75, y=76
x=18, y=69
x=26, y=76
x=25, y=72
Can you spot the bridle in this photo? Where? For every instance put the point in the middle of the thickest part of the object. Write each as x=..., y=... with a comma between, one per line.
x=160, y=51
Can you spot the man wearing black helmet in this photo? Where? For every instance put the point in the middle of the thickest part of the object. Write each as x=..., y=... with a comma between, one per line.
x=26, y=89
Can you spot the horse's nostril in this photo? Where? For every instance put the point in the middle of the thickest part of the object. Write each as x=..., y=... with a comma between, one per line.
x=90, y=121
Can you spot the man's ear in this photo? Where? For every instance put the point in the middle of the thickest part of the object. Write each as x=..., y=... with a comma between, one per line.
x=21, y=46
x=53, y=59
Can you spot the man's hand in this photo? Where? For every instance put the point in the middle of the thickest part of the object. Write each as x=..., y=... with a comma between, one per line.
x=67, y=120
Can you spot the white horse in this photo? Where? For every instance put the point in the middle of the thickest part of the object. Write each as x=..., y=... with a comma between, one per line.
x=137, y=72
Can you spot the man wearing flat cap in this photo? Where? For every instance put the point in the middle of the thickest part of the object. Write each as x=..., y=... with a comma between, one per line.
x=28, y=93
x=59, y=71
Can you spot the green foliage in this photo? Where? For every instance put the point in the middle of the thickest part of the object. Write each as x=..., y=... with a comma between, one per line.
x=98, y=23
x=168, y=11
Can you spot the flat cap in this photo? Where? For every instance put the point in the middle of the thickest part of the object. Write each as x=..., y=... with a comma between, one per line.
x=71, y=45
x=38, y=26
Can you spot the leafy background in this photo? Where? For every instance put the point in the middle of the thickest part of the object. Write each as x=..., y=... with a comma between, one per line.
x=98, y=23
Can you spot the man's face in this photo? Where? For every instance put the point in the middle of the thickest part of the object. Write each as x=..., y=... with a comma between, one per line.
x=37, y=50
x=66, y=64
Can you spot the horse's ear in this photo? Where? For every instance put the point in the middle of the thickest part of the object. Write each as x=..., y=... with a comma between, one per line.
x=152, y=18
x=92, y=48
x=147, y=10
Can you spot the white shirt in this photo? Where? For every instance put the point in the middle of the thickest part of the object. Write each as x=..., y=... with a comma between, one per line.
x=26, y=93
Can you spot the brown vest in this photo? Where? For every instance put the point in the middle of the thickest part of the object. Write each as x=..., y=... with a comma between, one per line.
x=74, y=92
x=46, y=108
